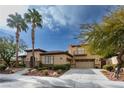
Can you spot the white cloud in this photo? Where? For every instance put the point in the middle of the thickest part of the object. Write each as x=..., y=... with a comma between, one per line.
x=58, y=15
x=5, y=10
x=55, y=17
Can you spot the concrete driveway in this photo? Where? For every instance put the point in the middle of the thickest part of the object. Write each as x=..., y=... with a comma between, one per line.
x=90, y=78
x=74, y=78
x=84, y=78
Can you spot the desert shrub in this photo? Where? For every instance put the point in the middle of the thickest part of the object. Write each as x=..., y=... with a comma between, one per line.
x=59, y=71
x=49, y=66
x=40, y=65
x=36, y=67
x=42, y=68
x=68, y=66
x=122, y=65
x=2, y=67
x=62, y=67
x=45, y=72
x=57, y=67
x=22, y=65
x=109, y=67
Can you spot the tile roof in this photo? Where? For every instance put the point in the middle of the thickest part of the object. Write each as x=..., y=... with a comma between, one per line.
x=38, y=49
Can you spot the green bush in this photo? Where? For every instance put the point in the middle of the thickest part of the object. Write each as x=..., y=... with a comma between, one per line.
x=68, y=66
x=53, y=67
x=59, y=71
x=122, y=65
x=62, y=67
x=22, y=65
x=42, y=68
x=40, y=65
x=109, y=67
x=48, y=65
x=36, y=67
x=2, y=67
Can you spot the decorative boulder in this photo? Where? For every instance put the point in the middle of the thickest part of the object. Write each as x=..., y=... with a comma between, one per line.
x=7, y=68
x=33, y=70
x=55, y=74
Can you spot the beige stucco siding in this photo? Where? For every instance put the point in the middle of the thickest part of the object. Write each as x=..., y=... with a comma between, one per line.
x=58, y=59
x=37, y=56
x=84, y=55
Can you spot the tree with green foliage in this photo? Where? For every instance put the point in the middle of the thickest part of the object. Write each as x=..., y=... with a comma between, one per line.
x=8, y=49
x=107, y=37
x=35, y=19
x=16, y=21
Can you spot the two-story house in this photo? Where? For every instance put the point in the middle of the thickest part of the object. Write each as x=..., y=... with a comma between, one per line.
x=77, y=56
x=82, y=58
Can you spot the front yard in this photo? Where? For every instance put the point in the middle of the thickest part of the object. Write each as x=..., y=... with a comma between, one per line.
x=4, y=69
x=42, y=70
x=10, y=70
x=46, y=72
x=110, y=75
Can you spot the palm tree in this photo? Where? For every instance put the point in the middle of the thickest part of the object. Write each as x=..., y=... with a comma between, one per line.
x=16, y=21
x=33, y=17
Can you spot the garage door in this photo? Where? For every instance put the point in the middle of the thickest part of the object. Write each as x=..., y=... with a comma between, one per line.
x=85, y=64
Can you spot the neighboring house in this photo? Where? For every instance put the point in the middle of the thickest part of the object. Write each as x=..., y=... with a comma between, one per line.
x=112, y=60
x=77, y=56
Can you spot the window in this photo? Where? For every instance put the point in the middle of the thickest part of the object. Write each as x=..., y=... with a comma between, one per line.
x=80, y=51
x=48, y=60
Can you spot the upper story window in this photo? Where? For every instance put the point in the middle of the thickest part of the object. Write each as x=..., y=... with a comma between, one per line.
x=80, y=51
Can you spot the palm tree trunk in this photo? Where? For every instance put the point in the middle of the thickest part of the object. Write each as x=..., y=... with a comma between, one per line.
x=17, y=46
x=33, y=42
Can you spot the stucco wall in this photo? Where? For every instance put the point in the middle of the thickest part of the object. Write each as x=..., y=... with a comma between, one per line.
x=37, y=58
x=87, y=56
x=58, y=58
x=36, y=53
x=72, y=49
x=112, y=60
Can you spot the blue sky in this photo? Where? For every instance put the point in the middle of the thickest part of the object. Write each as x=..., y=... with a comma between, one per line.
x=60, y=24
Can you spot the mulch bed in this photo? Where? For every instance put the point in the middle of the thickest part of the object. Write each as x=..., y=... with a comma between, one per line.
x=110, y=77
x=10, y=71
x=50, y=73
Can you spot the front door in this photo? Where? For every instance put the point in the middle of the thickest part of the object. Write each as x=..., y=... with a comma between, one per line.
x=32, y=60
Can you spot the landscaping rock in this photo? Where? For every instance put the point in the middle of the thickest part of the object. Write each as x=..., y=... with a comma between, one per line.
x=55, y=74
x=7, y=68
x=33, y=70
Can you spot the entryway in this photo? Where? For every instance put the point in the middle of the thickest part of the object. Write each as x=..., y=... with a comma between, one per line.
x=32, y=61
